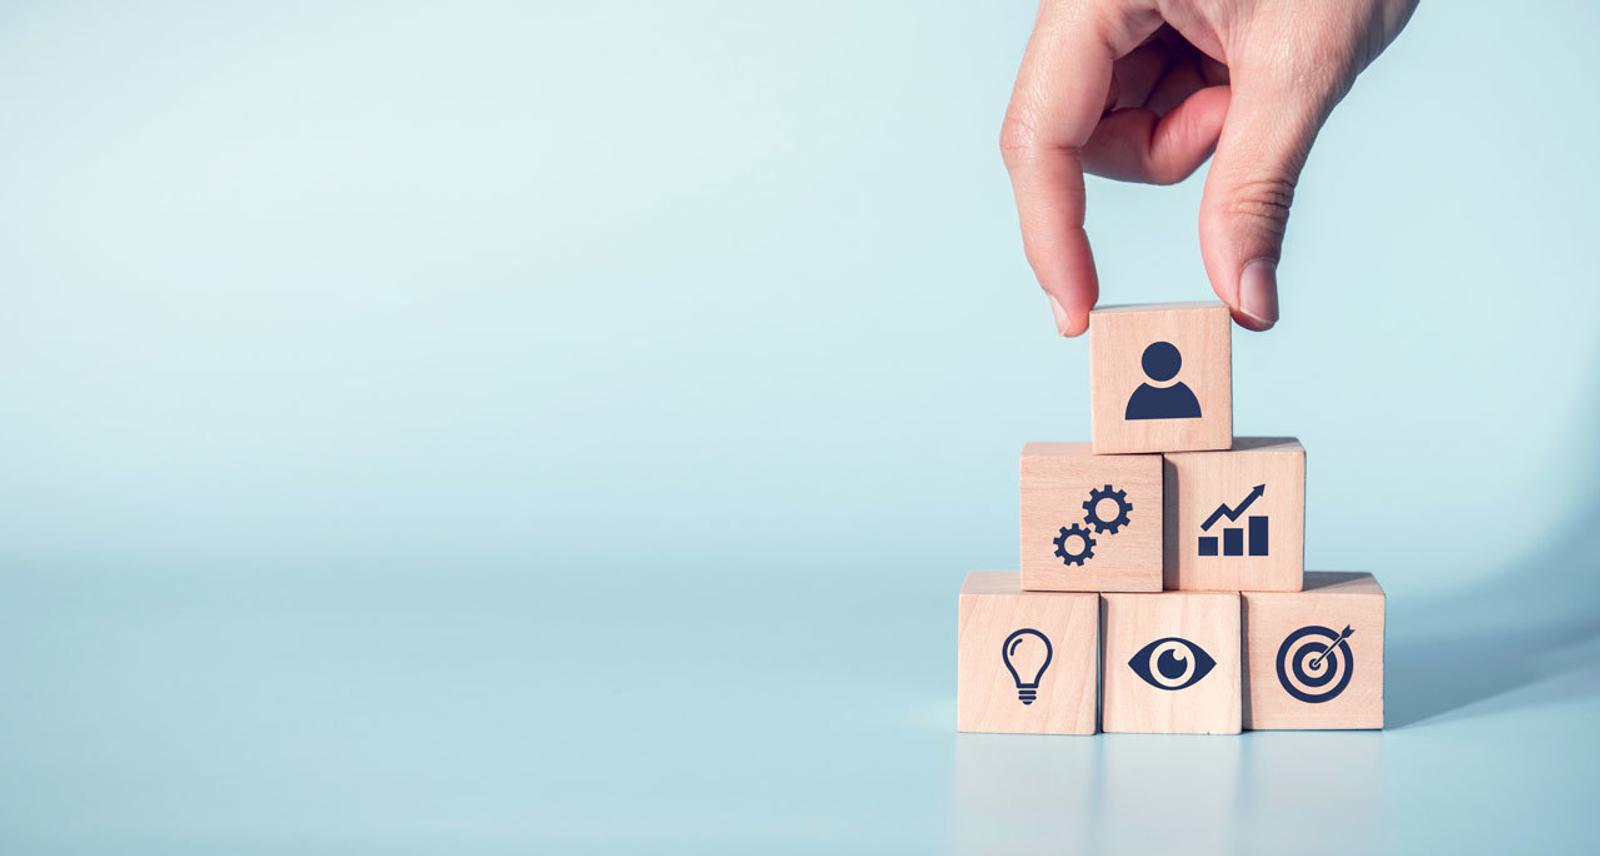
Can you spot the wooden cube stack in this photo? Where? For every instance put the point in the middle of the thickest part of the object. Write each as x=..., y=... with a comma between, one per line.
x=1162, y=583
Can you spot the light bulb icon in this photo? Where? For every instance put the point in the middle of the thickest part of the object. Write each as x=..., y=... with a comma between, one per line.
x=1027, y=654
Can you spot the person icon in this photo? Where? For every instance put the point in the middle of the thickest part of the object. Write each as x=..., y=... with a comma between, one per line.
x=1161, y=362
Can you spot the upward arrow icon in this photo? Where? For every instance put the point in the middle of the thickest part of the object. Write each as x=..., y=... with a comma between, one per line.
x=1233, y=513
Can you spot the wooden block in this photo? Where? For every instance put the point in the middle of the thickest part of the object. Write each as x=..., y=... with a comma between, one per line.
x=1090, y=522
x=1161, y=378
x=1291, y=679
x=1236, y=520
x=1171, y=663
x=1026, y=663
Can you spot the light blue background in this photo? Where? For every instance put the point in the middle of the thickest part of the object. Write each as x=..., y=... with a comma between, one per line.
x=533, y=427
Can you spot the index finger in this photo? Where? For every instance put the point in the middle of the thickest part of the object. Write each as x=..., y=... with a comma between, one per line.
x=1060, y=94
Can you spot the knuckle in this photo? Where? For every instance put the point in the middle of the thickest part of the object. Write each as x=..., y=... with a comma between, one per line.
x=1019, y=139
x=1265, y=200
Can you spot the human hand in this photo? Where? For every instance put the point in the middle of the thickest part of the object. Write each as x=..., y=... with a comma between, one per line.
x=1142, y=90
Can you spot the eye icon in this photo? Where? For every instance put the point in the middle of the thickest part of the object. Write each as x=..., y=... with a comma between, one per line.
x=1171, y=663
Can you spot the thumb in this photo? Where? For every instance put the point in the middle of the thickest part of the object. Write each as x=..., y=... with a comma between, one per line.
x=1245, y=210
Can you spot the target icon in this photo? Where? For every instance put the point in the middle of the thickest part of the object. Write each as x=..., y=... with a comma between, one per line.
x=1314, y=663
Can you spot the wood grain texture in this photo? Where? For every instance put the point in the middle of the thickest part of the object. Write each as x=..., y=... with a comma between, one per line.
x=993, y=606
x=1130, y=623
x=1195, y=484
x=1118, y=337
x=1057, y=479
x=1330, y=601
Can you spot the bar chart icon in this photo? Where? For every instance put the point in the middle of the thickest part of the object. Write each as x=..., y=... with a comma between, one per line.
x=1247, y=540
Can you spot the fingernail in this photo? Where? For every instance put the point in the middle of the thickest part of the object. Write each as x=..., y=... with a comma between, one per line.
x=1258, y=291
x=1063, y=320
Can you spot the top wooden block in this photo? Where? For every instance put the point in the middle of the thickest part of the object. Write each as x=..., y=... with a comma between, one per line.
x=1161, y=378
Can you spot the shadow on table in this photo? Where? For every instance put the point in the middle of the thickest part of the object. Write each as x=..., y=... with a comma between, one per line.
x=1482, y=647
x=1164, y=793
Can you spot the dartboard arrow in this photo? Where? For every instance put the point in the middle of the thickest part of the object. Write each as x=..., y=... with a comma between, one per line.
x=1316, y=663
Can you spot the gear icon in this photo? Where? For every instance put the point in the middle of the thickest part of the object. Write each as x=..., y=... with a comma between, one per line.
x=1092, y=517
x=1069, y=557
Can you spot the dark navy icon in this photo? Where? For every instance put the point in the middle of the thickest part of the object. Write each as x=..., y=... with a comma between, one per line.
x=1233, y=537
x=1074, y=544
x=1315, y=664
x=1027, y=654
x=1161, y=362
x=1171, y=663
x=1097, y=498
